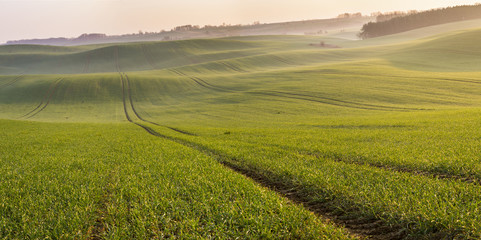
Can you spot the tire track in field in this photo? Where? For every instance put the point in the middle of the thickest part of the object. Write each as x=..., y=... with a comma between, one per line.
x=352, y=219
x=116, y=58
x=283, y=60
x=435, y=174
x=233, y=67
x=87, y=63
x=129, y=93
x=202, y=82
x=99, y=228
x=207, y=85
x=299, y=96
x=148, y=57
x=403, y=169
x=97, y=231
x=12, y=81
x=328, y=101
x=45, y=100
x=125, y=92
x=371, y=106
x=473, y=81
x=176, y=51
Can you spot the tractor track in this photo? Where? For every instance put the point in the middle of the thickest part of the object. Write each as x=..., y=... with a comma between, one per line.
x=282, y=60
x=46, y=98
x=98, y=229
x=126, y=90
x=393, y=168
x=233, y=67
x=116, y=58
x=11, y=82
x=466, y=178
x=351, y=219
x=201, y=82
x=41, y=102
x=348, y=102
x=148, y=57
x=87, y=64
x=299, y=96
x=274, y=94
x=473, y=81
x=207, y=85
x=129, y=93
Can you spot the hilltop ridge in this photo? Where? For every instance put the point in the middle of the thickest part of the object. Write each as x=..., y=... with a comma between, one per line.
x=304, y=27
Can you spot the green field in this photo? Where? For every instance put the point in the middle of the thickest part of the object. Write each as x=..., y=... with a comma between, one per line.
x=264, y=137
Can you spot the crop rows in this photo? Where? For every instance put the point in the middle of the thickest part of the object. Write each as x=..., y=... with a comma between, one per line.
x=123, y=184
x=396, y=197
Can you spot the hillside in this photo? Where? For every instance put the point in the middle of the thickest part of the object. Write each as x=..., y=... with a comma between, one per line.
x=253, y=137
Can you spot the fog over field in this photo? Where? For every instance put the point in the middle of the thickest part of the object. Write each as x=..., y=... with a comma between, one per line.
x=29, y=19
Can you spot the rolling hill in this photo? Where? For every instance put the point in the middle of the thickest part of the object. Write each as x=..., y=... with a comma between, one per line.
x=244, y=136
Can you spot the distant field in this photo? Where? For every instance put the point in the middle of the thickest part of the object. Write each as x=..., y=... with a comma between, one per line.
x=244, y=137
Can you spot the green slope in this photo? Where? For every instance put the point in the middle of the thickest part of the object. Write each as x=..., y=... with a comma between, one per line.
x=359, y=132
x=455, y=52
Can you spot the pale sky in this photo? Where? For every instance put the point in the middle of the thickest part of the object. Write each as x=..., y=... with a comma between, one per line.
x=25, y=19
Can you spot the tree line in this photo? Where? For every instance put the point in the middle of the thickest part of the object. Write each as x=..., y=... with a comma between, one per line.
x=413, y=20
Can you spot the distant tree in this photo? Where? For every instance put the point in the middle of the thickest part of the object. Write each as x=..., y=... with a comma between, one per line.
x=350, y=15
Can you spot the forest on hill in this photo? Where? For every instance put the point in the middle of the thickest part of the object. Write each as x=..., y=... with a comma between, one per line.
x=420, y=19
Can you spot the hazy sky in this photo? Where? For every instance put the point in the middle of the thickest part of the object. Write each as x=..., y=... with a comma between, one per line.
x=21, y=19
